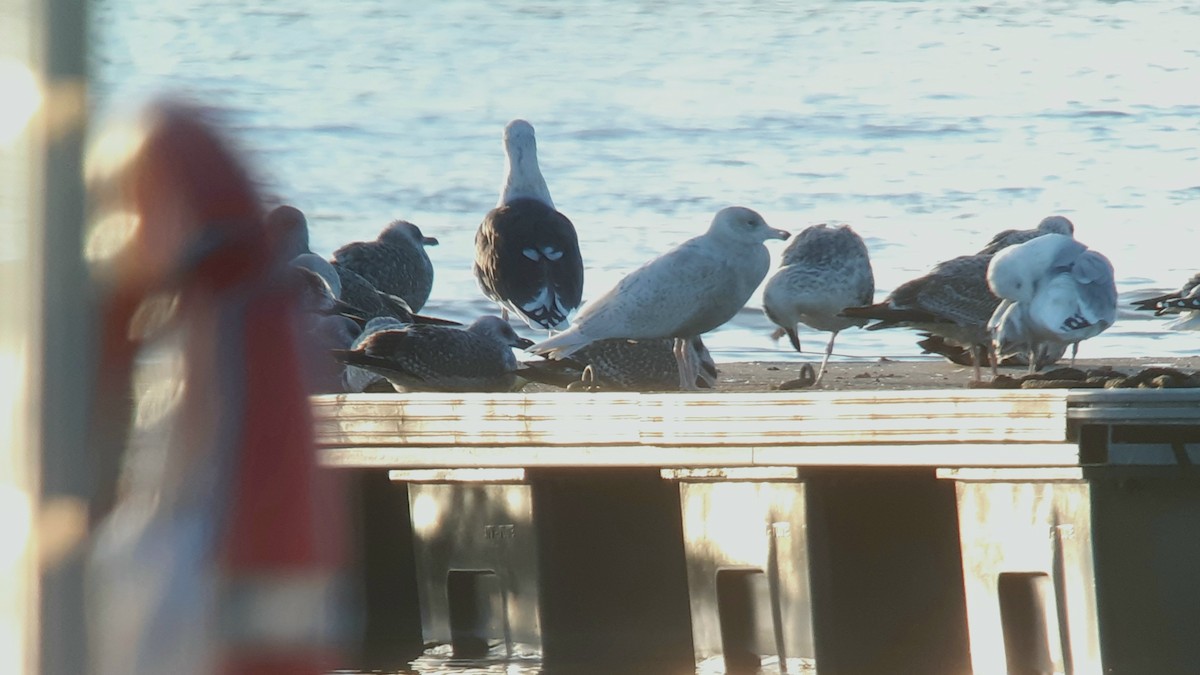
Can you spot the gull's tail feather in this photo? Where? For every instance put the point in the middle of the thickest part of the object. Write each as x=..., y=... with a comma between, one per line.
x=564, y=344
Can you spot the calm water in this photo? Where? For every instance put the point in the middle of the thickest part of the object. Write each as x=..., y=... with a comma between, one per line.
x=927, y=126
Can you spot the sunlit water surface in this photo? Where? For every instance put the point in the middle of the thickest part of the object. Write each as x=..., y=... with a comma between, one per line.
x=927, y=126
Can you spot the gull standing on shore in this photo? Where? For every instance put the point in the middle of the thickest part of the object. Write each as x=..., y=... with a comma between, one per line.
x=689, y=290
x=822, y=271
x=1054, y=291
x=527, y=255
x=952, y=301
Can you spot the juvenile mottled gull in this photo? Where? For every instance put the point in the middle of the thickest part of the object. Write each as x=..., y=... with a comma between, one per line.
x=822, y=271
x=626, y=365
x=358, y=380
x=1055, y=291
x=952, y=301
x=395, y=262
x=527, y=255
x=368, y=301
x=1184, y=303
x=442, y=358
x=1049, y=225
x=687, y=291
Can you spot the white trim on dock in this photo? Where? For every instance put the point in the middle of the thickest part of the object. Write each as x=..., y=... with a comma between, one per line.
x=942, y=428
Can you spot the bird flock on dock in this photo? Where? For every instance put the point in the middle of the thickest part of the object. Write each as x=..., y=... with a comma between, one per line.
x=1024, y=298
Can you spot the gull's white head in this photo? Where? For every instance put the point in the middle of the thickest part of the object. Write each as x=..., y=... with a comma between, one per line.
x=738, y=223
x=523, y=177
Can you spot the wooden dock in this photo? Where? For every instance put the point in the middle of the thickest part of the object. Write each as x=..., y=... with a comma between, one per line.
x=866, y=463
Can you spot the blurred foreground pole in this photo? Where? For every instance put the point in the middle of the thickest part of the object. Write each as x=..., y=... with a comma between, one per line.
x=18, y=466
x=44, y=342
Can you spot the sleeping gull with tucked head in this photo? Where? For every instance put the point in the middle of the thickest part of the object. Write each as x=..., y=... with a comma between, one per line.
x=822, y=271
x=619, y=364
x=422, y=357
x=689, y=290
x=1054, y=291
x=527, y=256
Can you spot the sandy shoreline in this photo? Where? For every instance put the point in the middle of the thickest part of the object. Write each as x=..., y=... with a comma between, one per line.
x=896, y=375
x=886, y=374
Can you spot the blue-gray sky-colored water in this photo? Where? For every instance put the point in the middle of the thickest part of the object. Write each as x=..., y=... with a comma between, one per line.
x=927, y=126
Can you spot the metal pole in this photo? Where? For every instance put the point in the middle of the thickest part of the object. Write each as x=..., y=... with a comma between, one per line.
x=45, y=345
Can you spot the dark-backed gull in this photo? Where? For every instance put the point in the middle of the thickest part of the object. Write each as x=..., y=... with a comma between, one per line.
x=1183, y=304
x=527, y=255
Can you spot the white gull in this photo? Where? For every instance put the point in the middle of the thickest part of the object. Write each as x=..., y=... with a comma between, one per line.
x=689, y=290
x=1054, y=291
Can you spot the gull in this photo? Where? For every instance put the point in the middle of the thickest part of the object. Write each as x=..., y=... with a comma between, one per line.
x=952, y=301
x=626, y=365
x=527, y=257
x=685, y=292
x=395, y=262
x=424, y=357
x=1183, y=303
x=1055, y=291
x=822, y=271
x=1048, y=225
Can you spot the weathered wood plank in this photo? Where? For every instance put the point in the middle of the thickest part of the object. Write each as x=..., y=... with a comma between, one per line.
x=824, y=418
x=476, y=420
x=691, y=420
x=533, y=456
x=931, y=455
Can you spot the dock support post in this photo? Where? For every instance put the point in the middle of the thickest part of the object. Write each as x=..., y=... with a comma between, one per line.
x=1110, y=553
